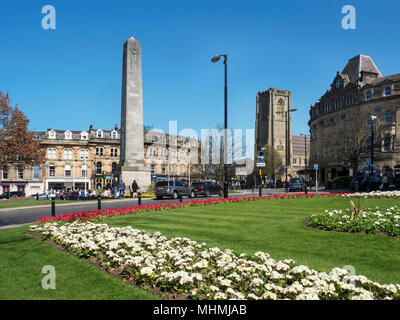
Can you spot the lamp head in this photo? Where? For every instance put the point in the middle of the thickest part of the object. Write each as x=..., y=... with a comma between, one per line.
x=215, y=59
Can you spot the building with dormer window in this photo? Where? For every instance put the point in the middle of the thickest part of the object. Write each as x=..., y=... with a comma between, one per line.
x=356, y=93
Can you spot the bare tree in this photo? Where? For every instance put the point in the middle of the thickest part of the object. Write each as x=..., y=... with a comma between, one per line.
x=346, y=141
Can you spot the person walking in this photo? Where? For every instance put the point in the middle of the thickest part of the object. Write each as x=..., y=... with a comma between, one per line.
x=121, y=189
x=385, y=181
x=115, y=186
x=135, y=188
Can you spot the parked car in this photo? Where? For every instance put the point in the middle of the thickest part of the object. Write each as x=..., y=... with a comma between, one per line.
x=205, y=188
x=43, y=196
x=296, y=184
x=9, y=195
x=366, y=183
x=171, y=188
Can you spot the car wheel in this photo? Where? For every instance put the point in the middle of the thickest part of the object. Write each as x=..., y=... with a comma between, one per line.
x=192, y=194
x=207, y=193
x=175, y=195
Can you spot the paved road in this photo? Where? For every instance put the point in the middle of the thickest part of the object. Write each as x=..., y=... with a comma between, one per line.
x=12, y=217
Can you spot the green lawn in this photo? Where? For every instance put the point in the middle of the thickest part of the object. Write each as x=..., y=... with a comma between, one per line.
x=273, y=226
x=22, y=259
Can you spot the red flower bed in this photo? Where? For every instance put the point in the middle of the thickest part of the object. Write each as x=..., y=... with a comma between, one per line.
x=99, y=214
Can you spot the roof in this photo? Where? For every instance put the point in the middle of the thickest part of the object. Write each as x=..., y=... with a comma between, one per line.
x=360, y=63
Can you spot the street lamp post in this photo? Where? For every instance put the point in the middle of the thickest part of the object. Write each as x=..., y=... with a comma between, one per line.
x=287, y=140
x=214, y=60
x=305, y=149
x=372, y=145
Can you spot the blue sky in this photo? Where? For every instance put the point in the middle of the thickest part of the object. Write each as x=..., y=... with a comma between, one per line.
x=70, y=77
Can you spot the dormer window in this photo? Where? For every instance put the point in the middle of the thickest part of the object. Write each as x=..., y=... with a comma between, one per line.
x=368, y=95
x=388, y=91
x=338, y=83
x=99, y=133
x=84, y=135
x=52, y=134
x=114, y=134
x=68, y=134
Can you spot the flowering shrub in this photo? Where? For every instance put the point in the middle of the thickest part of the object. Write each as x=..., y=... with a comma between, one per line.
x=100, y=214
x=367, y=220
x=183, y=266
x=374, y=195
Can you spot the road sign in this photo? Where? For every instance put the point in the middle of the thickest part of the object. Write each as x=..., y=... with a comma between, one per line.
x=260, y=157
x=260, y=164
x=285, y=167
x=316, y=167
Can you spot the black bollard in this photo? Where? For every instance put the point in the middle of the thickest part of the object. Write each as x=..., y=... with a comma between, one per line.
x=53, y=207
x=139, y=198
x=99, y=202
x=37, y=196
x=259, y=191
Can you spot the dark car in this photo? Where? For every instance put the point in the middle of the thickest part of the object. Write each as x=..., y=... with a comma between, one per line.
x=171, y=189
x=9, y=195
x=366, y=183
x=296, y=184
x=205, y=188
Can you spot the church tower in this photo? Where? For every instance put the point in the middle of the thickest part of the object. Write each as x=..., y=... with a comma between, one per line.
x=274, y=122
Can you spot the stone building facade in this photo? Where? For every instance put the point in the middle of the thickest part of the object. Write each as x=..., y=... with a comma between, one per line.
x=274, y=127
x=360, y=104
x=90, y=159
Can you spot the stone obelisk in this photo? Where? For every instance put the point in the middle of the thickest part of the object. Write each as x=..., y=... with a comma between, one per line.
x=132, y=162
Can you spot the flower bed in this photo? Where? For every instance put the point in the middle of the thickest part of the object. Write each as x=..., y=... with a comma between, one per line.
x=374, y=195
x=190, y=269
x=369, y=220
x=100, y=214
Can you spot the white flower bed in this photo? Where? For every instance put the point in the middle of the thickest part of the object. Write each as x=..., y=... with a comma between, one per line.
x=185, y=266
x=373, y=194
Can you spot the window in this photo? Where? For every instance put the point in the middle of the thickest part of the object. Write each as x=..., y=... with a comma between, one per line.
x=114, y=152
x=5, y=173
x=84, y=171
x=68, y=154
x=35, y=173
x=99, y=134
x=84, y=135
x=368, y=95
x=84, y=154
x=389, y=116
x=387, y=143
x=99, y=151
x=388, y=91
x=52, y=153
x=152, y=168
x=338, y=83
x=99, y=168
x=114, y=134
x=52, y=170
x=52, y=134
x=68, y=134
x=20, y=172
x=163, y=168
x=67, y=170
